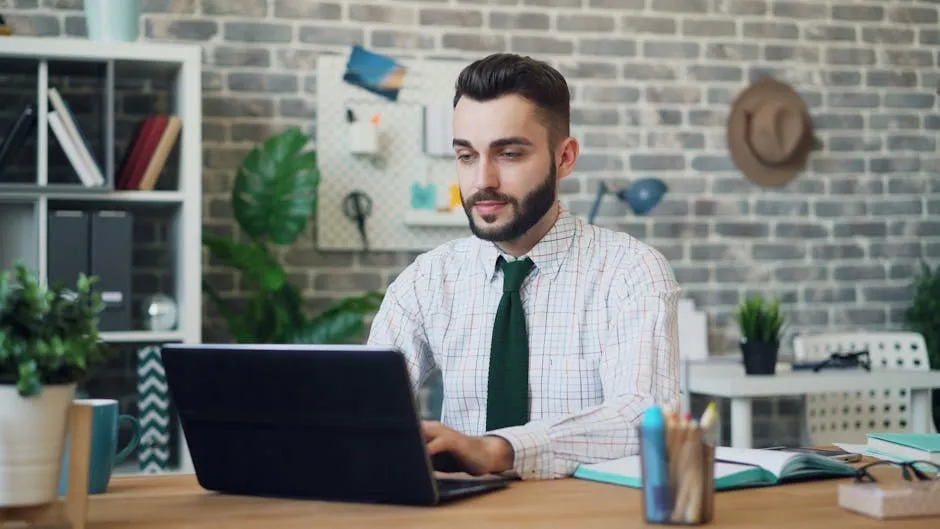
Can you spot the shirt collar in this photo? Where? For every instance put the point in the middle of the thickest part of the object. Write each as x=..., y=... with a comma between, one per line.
x=547, y=254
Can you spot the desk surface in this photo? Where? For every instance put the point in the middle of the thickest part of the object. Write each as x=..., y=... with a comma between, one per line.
x=174, y=501
x=728, y=380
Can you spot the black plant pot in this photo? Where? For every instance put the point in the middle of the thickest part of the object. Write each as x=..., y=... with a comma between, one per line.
x=760, y=358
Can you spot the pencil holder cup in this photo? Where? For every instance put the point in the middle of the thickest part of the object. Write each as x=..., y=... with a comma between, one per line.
x=363, y=138
x=678, y=478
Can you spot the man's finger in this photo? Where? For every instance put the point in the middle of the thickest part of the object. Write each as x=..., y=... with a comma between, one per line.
x=431, y=426
x=432, y=429
x=440, y=444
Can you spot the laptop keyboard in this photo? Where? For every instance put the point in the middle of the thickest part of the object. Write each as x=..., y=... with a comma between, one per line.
x=445, y=485
x=455, y=486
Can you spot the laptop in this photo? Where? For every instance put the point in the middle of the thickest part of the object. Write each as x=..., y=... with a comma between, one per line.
x=324, y=422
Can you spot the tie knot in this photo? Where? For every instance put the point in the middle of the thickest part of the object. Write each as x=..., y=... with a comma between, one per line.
x=514, y=273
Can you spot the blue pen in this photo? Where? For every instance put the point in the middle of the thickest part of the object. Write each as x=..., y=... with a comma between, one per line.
x=655, y=466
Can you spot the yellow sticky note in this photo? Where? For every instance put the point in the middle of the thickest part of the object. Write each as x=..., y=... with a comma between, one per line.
x=455, y=201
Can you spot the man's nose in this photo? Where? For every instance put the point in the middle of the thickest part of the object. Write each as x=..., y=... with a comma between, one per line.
x=487, y=176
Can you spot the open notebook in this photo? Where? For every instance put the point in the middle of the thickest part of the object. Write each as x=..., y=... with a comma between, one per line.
x=750, y=468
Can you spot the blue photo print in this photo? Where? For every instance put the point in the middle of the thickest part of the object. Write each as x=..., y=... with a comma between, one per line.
x=374, y=72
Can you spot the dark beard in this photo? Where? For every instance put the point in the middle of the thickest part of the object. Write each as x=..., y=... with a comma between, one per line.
x=534, y=206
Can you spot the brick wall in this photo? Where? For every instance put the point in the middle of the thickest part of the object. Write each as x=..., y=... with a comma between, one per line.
x=652, y=80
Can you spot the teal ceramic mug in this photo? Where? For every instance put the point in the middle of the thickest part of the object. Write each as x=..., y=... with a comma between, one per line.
x=104, y=450
x=112, y=20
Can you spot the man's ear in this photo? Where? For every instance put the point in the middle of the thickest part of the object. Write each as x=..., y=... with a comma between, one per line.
x=567, y=156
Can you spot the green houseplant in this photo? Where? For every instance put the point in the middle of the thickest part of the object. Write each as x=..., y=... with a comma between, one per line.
x=274, y=194
x=761, y=324
x=48, y=341
x=923, y=316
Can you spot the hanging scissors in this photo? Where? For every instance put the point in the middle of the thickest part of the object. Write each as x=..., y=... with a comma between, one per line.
x=357, y=206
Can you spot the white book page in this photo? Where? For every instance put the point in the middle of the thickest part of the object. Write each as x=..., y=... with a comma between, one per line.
x=630, y=467
x=771, y=460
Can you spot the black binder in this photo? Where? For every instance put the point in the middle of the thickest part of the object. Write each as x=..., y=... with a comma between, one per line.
x=110, y=260
x=97, y=243
x=67, y=253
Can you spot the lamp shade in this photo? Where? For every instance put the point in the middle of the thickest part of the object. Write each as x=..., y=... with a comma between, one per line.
x=643, y=195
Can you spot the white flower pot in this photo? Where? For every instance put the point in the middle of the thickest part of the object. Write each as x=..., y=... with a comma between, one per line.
x=32, y=438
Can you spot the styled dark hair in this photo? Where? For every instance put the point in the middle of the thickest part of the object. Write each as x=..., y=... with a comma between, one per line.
x=502, y=74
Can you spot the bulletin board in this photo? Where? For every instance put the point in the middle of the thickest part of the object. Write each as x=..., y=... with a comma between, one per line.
x=390, y=176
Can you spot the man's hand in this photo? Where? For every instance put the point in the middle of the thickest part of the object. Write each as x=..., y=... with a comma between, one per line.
x=478, y=455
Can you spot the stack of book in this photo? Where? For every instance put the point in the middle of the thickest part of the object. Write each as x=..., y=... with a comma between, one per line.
x=148, y=153
x=73, y=141
x=905, y=446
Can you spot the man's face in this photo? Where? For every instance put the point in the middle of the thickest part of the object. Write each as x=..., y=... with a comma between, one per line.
x=505, y=166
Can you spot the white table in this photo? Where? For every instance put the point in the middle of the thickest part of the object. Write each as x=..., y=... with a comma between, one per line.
x=727, y=380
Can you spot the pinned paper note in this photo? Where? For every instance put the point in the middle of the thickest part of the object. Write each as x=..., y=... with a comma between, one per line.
x=455, y=201
x=423, y=196
x=439, y=129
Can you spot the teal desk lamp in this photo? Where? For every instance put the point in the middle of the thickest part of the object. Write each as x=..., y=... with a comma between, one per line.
x=642, y=196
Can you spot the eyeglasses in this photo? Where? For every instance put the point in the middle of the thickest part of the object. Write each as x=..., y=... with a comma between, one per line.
x=909, y=470
x=852, y=359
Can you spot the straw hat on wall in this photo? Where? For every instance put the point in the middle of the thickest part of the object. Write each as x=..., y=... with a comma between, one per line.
x=770, y=132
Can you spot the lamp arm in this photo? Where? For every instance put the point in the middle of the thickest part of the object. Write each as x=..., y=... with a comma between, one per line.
x=601, y=191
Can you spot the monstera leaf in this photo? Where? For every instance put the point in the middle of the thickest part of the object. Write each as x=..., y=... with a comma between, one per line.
x=342, y=320
x=253, y=260
x=275, y=190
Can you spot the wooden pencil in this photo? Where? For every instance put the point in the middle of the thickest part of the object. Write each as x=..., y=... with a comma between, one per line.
x=696, y=474
x=675, y=460
x=684, y=472
x=709, y=507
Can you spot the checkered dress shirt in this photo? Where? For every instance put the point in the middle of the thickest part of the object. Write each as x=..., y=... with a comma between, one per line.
x=601, y=314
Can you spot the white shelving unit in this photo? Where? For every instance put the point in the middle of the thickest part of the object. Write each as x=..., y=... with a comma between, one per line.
x=24, y=207
x=434, y=219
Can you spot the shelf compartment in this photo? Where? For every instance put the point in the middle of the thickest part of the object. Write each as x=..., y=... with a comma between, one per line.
x=18, y=86
x=19, y=235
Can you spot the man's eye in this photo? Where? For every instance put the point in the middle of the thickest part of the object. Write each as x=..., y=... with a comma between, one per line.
x=464, y=157
x=511, y=154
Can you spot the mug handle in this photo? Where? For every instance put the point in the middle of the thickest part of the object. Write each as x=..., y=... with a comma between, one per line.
x=135, y=439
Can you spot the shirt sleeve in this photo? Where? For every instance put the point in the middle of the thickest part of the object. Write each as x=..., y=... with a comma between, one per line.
x=638, y=368
x=398, y=324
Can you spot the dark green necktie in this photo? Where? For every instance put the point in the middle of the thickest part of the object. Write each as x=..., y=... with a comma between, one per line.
x=507, y=402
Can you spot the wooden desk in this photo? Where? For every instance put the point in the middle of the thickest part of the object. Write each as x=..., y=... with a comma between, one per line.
x=177, y=501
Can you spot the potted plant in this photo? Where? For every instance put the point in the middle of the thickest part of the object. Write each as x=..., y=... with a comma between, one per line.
x=274, y=194
x=5, y=29
x=761, y=325
x=48, y=341
x=923, y=316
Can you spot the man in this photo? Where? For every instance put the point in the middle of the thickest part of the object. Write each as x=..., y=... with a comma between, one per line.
x=552, y=336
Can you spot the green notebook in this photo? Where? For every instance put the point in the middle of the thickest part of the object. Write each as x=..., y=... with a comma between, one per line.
x=735, y=468
x=906, y=446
